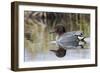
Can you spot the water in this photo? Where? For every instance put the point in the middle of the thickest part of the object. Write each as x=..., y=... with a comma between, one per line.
x=71, y=54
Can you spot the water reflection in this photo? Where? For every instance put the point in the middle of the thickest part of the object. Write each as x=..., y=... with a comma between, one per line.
x=71, y=54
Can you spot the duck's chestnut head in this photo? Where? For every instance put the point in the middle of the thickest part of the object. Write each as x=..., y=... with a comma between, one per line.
x=60, y=29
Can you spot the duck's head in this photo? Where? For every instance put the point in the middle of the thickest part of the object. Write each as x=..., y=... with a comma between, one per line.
x=59, y=29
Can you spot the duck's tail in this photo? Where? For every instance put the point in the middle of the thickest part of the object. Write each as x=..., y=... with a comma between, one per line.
x=83, y=40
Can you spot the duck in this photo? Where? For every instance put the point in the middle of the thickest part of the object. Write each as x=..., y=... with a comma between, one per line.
x=66, y=40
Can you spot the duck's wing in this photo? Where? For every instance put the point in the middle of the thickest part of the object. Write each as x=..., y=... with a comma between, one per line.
x=68, y=38
x=70, y=33
x=68, y=41
x=74, y=33
x=78, y=33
